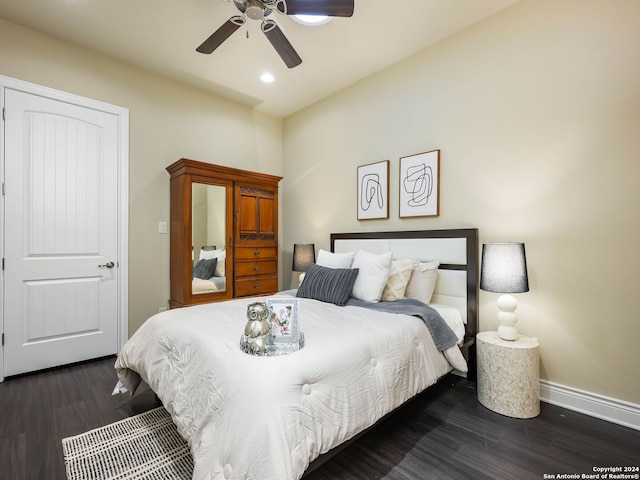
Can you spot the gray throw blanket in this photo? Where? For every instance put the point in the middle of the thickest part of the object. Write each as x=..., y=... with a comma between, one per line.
x=441, y=333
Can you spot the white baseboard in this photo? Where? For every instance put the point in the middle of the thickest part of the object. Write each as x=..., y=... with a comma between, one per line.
x=592, y=404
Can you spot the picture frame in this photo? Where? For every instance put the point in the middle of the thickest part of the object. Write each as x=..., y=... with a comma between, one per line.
x=373, y=191
x=420, y=185
x=283, y=316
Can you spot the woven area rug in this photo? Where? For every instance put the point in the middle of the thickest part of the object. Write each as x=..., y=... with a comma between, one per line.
x=146, y=446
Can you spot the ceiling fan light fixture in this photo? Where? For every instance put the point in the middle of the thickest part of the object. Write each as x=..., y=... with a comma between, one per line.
x=311, y=20
x=254, y=10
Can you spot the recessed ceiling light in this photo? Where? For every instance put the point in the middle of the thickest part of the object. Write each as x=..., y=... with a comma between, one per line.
x=267, y=78
x=312, y=20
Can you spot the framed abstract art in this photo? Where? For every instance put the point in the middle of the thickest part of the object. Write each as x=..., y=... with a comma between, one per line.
x=373, y=191
x=420, y=185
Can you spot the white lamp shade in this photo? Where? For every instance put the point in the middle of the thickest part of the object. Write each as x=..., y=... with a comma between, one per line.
x=504, y=270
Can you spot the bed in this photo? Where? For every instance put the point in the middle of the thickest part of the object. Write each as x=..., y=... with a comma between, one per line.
x=251, y=417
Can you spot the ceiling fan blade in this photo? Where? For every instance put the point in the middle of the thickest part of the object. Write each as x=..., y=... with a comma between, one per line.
x=330, y=8
x=219, y=36
x=281, y=44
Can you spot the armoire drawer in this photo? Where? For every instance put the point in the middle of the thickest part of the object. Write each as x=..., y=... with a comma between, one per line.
x=256, y=286
x=256, y=253
x=251, y=269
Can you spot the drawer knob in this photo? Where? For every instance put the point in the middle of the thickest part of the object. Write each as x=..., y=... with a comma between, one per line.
x=256, y=286
x=256, y=252
x=257, y=269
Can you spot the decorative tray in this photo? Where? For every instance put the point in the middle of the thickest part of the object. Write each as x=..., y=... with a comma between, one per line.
x=273, y=349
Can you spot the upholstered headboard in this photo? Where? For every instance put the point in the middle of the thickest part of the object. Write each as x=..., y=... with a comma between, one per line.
x=456, y=250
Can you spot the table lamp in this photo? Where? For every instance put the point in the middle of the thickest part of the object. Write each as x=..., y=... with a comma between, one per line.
x=504, y=270
x=304, y=254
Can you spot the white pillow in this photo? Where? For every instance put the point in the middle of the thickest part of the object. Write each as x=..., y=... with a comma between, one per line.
x=334, y=260
x=373, y=275
x=423, y=281
x=399, y=276
x=221, y=255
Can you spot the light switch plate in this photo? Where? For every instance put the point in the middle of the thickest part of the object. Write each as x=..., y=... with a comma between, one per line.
x=162, y=227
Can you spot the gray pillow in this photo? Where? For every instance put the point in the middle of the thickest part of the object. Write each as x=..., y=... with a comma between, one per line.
x=332, y=285
x=204, y=269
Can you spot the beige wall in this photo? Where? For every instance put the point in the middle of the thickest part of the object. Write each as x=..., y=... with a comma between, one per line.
x=167, y=121
x=536, y=111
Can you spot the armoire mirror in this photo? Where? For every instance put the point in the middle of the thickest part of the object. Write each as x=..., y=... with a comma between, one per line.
x=208, y=237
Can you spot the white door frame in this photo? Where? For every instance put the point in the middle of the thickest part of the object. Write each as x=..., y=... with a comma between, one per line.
x=123, y=193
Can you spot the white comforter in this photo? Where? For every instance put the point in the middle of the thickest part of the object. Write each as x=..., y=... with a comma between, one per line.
x=248, y=417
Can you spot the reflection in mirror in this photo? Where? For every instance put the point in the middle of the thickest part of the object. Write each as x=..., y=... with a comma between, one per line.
x=208, y=236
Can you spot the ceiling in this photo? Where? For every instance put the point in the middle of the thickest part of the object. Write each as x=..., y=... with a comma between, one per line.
x=162, y=35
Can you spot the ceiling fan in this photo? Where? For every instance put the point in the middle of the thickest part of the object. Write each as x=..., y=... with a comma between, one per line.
x=261, y=9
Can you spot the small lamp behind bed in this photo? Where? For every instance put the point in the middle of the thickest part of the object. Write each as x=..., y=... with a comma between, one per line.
x=304, y=254
x=504, y=270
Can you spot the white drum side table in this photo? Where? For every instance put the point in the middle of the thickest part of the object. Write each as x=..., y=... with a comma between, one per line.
x=508, y=375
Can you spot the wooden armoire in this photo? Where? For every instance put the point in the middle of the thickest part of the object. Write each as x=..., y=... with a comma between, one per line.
x=229, y=214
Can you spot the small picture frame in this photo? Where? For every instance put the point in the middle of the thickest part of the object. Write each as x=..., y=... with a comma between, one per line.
x=373, y=191
x=283, y=316
x=420, y=185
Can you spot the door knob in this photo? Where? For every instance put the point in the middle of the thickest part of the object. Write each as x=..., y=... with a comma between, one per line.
x=108, y=265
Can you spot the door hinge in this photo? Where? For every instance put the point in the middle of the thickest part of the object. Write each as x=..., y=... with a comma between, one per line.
x=3, y=188
x=3, y=264
x=3, y=339
x=3, y=113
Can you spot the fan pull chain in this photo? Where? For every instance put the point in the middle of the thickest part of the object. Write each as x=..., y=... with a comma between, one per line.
x=247, y=34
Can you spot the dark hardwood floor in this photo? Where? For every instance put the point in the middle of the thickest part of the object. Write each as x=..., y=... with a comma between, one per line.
x=443, y=433
x=41, y=409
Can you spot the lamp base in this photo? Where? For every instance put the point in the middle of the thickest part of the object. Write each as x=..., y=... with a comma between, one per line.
x=507, y=305
x=507, y=333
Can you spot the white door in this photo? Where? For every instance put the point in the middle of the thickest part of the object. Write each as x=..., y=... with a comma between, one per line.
x=60, y=233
